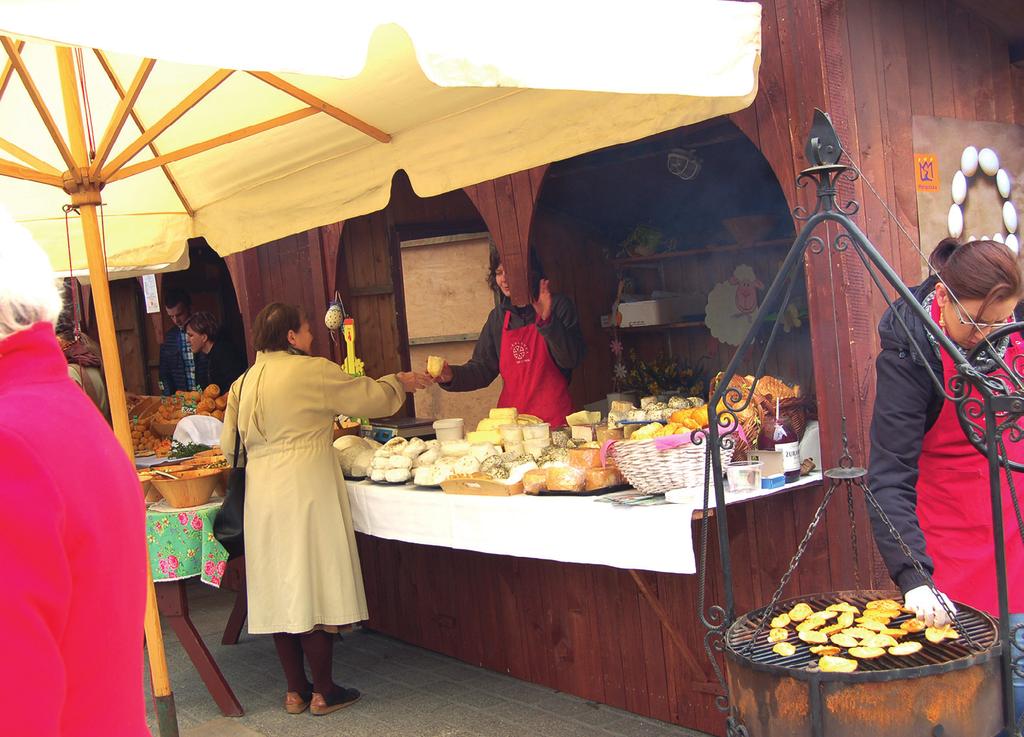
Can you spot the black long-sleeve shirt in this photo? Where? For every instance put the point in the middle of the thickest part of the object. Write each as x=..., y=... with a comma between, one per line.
x=561, y=334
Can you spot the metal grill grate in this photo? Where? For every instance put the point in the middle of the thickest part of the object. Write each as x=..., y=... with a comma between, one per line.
x=979, y=626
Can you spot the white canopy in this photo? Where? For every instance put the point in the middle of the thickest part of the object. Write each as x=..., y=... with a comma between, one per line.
x=454, y=93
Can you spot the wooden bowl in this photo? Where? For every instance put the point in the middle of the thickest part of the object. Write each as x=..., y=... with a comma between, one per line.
x=163, y=428
x=191, y=488
x=149, y=491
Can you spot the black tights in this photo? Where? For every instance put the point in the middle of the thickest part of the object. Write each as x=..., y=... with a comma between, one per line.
x=318, y=647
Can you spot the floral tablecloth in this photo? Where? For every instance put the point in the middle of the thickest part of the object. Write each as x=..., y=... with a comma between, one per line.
x=181, y=543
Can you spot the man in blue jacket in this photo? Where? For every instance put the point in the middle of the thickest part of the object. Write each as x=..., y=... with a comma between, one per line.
x=177, y=362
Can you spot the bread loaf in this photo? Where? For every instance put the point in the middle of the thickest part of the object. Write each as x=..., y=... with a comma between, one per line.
x=566, y=478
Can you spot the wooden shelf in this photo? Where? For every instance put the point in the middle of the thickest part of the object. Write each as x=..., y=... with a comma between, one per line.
x=669, y=326
x=699, y=252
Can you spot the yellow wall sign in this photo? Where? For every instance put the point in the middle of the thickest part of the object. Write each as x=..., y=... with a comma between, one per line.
x=926, y=173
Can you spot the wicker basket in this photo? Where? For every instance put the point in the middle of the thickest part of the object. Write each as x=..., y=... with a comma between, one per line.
x=750, y=419
x=655, y=471
x=191, y=488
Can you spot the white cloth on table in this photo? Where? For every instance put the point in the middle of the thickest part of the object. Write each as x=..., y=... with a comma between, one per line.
x=198, y=429
x=567, y=529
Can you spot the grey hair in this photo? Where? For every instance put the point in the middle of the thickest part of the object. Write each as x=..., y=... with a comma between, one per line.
x=28, y=288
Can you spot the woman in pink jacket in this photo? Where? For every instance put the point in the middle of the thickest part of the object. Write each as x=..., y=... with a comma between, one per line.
x=72, y=547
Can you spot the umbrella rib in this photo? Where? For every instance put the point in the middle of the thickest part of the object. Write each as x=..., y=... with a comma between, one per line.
x=5, y=76
x=198, y=148
x=17, y=171
x=313, y=101
x=121, y=113
x=37, y=100
x=31, y=160
x=142, y=128
x=175, y=114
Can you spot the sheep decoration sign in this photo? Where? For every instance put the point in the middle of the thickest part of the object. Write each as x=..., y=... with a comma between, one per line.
x=732, y=305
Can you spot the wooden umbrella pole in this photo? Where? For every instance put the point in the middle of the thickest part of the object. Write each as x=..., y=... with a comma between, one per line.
x=85, y=195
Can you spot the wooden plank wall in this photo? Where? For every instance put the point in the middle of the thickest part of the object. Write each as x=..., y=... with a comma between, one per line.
x=584, y=629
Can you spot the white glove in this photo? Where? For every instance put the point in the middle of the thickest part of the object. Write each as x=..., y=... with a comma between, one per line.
x=927, y=608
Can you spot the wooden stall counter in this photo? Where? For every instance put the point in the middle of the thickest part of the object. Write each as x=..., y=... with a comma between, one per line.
x=623, y=631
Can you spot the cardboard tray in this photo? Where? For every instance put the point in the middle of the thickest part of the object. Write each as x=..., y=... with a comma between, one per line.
x=480, y=486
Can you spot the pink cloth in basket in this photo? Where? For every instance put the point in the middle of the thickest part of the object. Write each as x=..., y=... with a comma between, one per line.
x=674, y=441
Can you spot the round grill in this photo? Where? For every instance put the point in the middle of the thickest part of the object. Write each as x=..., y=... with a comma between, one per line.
x=932, y=658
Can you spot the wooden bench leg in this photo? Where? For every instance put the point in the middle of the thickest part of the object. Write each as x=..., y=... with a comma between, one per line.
x=172, y=602
x=234, y=580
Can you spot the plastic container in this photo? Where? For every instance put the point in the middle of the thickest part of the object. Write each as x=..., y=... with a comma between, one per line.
x=450, y=429
x=744, y=476
x=536, y=447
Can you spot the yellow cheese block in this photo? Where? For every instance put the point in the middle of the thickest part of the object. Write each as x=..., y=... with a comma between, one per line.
x=489, y=425
x=484, y=436
x=435, y=365
x=505, y=414
x=583, y=418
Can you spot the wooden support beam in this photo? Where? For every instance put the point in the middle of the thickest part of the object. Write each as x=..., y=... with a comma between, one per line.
x=313, y=101
x=112, y=76
x=33, y=161
x=689, y=659
x=5, y=75
x=121, y=113
x=198, y=148
x=17, y=171
x=37, y=100
x=173, y=116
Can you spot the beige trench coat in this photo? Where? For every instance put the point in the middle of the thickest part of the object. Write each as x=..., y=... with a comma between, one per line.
x=301, y=562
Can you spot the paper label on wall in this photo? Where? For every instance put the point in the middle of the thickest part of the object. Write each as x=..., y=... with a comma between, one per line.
x=149, y=291
x=926, y=173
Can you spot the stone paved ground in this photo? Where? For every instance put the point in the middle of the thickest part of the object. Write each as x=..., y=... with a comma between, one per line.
x=408, y=692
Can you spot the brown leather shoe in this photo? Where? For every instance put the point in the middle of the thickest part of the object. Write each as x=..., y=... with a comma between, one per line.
x=296, y=703
x=320, y=706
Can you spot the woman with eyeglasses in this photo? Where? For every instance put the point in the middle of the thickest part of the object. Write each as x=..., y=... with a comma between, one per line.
x=931, y=482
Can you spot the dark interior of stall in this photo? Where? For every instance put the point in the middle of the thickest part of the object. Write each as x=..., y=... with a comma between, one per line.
x=672, y=215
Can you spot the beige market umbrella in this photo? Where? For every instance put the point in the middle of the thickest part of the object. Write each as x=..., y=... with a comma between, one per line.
x=244, y=124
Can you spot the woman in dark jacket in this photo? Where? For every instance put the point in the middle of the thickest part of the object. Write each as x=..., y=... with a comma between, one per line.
x=929, y=479
x=533, y=347
x=223, y=362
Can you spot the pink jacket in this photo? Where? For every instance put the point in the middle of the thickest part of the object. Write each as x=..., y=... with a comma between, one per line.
x=72, y=555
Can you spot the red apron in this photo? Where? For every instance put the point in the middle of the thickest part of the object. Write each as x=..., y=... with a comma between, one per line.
x=534, y=384
x=955, y=508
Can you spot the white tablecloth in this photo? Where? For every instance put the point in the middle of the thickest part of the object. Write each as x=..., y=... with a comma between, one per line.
x=568, y=529
x=573, y=530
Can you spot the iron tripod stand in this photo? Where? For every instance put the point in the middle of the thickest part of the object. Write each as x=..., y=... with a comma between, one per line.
x=988, y=407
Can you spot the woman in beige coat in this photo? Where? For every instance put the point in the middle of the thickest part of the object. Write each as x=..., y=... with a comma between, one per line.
x=301, y=562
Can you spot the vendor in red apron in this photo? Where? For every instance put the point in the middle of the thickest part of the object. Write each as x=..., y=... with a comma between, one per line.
x=931, y=482
x=533, y=347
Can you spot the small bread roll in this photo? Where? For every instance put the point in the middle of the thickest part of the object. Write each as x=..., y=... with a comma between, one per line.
x=427, y=458
x=414, y=447
x=378, y=474
x=467, y=465
x=424, y=476
x=400, y=462
x=397, y=475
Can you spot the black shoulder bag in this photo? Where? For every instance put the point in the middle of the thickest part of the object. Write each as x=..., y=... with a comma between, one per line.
x=228, y=524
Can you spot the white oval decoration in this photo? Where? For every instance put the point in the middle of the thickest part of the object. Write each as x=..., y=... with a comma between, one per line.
x=1010, y=217
x=1003, y=184
x=1013, y=243
x=998, y=237
x=955, y=221
x=959, y=188
x=969, y=161
x=988, y=161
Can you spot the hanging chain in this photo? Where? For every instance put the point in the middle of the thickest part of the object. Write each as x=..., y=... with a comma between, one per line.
x=853, y=535
x=770, y=609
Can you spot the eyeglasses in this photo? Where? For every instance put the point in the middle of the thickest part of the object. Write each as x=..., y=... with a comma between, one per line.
x=974, y=323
